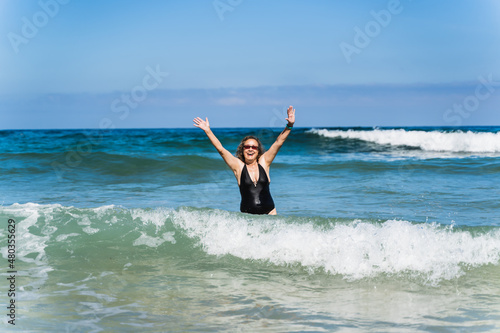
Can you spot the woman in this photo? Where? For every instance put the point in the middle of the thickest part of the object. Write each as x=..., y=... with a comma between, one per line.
x=251, y=166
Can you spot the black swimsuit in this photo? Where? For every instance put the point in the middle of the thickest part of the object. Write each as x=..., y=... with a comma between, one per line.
x=255, y=198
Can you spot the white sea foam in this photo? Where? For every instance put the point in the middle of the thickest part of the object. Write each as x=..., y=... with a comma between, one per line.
x=30, y=248
x=356, y=250
x=63, y=237
x=156, y=217
x=154, y=241
x=468, y=142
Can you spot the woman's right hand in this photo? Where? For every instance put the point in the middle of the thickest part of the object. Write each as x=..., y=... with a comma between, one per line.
x=200, y=123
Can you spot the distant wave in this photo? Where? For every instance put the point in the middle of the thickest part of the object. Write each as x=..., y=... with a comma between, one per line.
x=105, y=163
x=456, y=142
x=354, y=249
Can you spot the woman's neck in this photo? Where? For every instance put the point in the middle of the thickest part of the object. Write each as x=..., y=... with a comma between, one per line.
x=251, y=164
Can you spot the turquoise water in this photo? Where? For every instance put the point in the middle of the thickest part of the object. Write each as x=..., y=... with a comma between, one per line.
x=383, y=230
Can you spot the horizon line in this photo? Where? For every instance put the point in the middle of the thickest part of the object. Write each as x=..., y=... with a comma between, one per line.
x=239, y=127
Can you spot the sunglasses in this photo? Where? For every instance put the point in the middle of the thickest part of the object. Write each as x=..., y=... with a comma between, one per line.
x=251, y=147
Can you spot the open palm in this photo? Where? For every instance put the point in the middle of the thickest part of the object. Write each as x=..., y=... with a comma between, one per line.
x=291, y=115
x=200, y=123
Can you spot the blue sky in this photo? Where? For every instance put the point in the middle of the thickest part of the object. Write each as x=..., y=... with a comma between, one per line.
x=124, y=64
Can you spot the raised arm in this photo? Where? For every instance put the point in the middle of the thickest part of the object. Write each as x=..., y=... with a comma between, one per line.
x=232, y=161
x=271, y=153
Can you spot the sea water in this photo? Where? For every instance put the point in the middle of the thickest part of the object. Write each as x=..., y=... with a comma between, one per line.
x=379, y=230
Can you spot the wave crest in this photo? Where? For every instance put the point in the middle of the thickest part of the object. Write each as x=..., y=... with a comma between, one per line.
x=355, y=250
x=456, y=142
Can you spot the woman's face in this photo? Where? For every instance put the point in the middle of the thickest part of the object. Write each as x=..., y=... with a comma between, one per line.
x=250, y=150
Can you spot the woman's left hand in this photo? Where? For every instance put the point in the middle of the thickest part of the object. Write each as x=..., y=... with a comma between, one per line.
x=291, y=115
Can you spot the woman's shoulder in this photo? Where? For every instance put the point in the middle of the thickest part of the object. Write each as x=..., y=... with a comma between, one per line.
x=263, y=162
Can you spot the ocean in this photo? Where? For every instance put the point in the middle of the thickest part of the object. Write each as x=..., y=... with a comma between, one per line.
x=139, y=230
